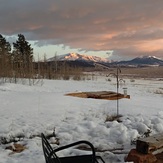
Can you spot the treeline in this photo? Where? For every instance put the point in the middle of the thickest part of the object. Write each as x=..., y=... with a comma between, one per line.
x=17, y=63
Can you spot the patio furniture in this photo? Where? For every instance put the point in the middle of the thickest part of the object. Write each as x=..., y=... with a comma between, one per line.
x=51, y=156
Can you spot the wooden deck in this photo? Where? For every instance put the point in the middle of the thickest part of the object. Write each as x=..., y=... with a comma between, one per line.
x=106, y=95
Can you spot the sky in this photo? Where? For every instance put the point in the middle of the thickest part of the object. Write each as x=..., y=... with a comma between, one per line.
x=115, y=29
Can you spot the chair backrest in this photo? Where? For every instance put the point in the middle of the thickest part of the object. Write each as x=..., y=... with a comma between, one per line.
x=49, y=153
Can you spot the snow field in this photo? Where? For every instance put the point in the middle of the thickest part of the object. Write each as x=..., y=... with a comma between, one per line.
x=29, y=110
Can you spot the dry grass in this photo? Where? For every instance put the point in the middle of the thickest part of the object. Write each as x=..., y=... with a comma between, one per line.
x=16, y=148
x=159, y=91
x=111, y=118
x=143, y=72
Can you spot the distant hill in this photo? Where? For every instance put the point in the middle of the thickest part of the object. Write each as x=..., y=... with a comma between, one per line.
x=142, y=61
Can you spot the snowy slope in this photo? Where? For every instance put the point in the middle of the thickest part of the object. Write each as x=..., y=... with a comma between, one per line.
x=30, y=110
x=143, y=61
x=136, y=62
x=78, y=57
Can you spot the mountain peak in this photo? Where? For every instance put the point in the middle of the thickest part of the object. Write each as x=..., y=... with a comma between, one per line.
x=78, y=57
x=143, y=61
x=149, y=57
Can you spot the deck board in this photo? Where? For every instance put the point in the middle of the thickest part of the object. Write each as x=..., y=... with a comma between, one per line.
x=107, y=95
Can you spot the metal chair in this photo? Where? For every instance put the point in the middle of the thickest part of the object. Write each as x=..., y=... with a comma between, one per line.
x=51, y=156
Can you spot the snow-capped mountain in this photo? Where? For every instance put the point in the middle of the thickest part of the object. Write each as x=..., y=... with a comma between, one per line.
x=142, y=61
x=87, y=61
x=77, y=57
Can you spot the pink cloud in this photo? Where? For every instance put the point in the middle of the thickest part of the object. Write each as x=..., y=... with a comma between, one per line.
x=126, y=27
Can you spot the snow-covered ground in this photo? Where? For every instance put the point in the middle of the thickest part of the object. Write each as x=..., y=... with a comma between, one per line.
x=30, y=110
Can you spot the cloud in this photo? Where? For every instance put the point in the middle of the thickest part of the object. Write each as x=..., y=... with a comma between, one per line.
x=126, y=27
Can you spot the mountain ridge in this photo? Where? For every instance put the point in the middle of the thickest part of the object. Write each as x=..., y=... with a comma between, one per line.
x=142, y=61
x=79, y=57
x=90, y=60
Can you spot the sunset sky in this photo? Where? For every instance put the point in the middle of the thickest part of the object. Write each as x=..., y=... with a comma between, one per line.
x=118, y=29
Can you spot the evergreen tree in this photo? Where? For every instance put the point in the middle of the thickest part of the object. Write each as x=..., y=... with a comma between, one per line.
x=22, y=52
x=5, y=49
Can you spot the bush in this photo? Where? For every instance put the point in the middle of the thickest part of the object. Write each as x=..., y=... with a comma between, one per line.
x=111, y=118
x=159, y=91
x=76, y=77
x=109, y=79
x=132, y=80
x=66, y=77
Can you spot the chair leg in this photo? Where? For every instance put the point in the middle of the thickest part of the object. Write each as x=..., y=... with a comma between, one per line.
x=100, y=158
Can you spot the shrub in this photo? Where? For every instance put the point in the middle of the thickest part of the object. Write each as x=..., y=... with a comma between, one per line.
x=66, y=77
x=132, y=80
x=113, y=118
x=159, y=91
x=109, y=79
x=76, y=77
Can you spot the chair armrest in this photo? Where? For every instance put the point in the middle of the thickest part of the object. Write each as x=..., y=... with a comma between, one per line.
x=74, y=144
